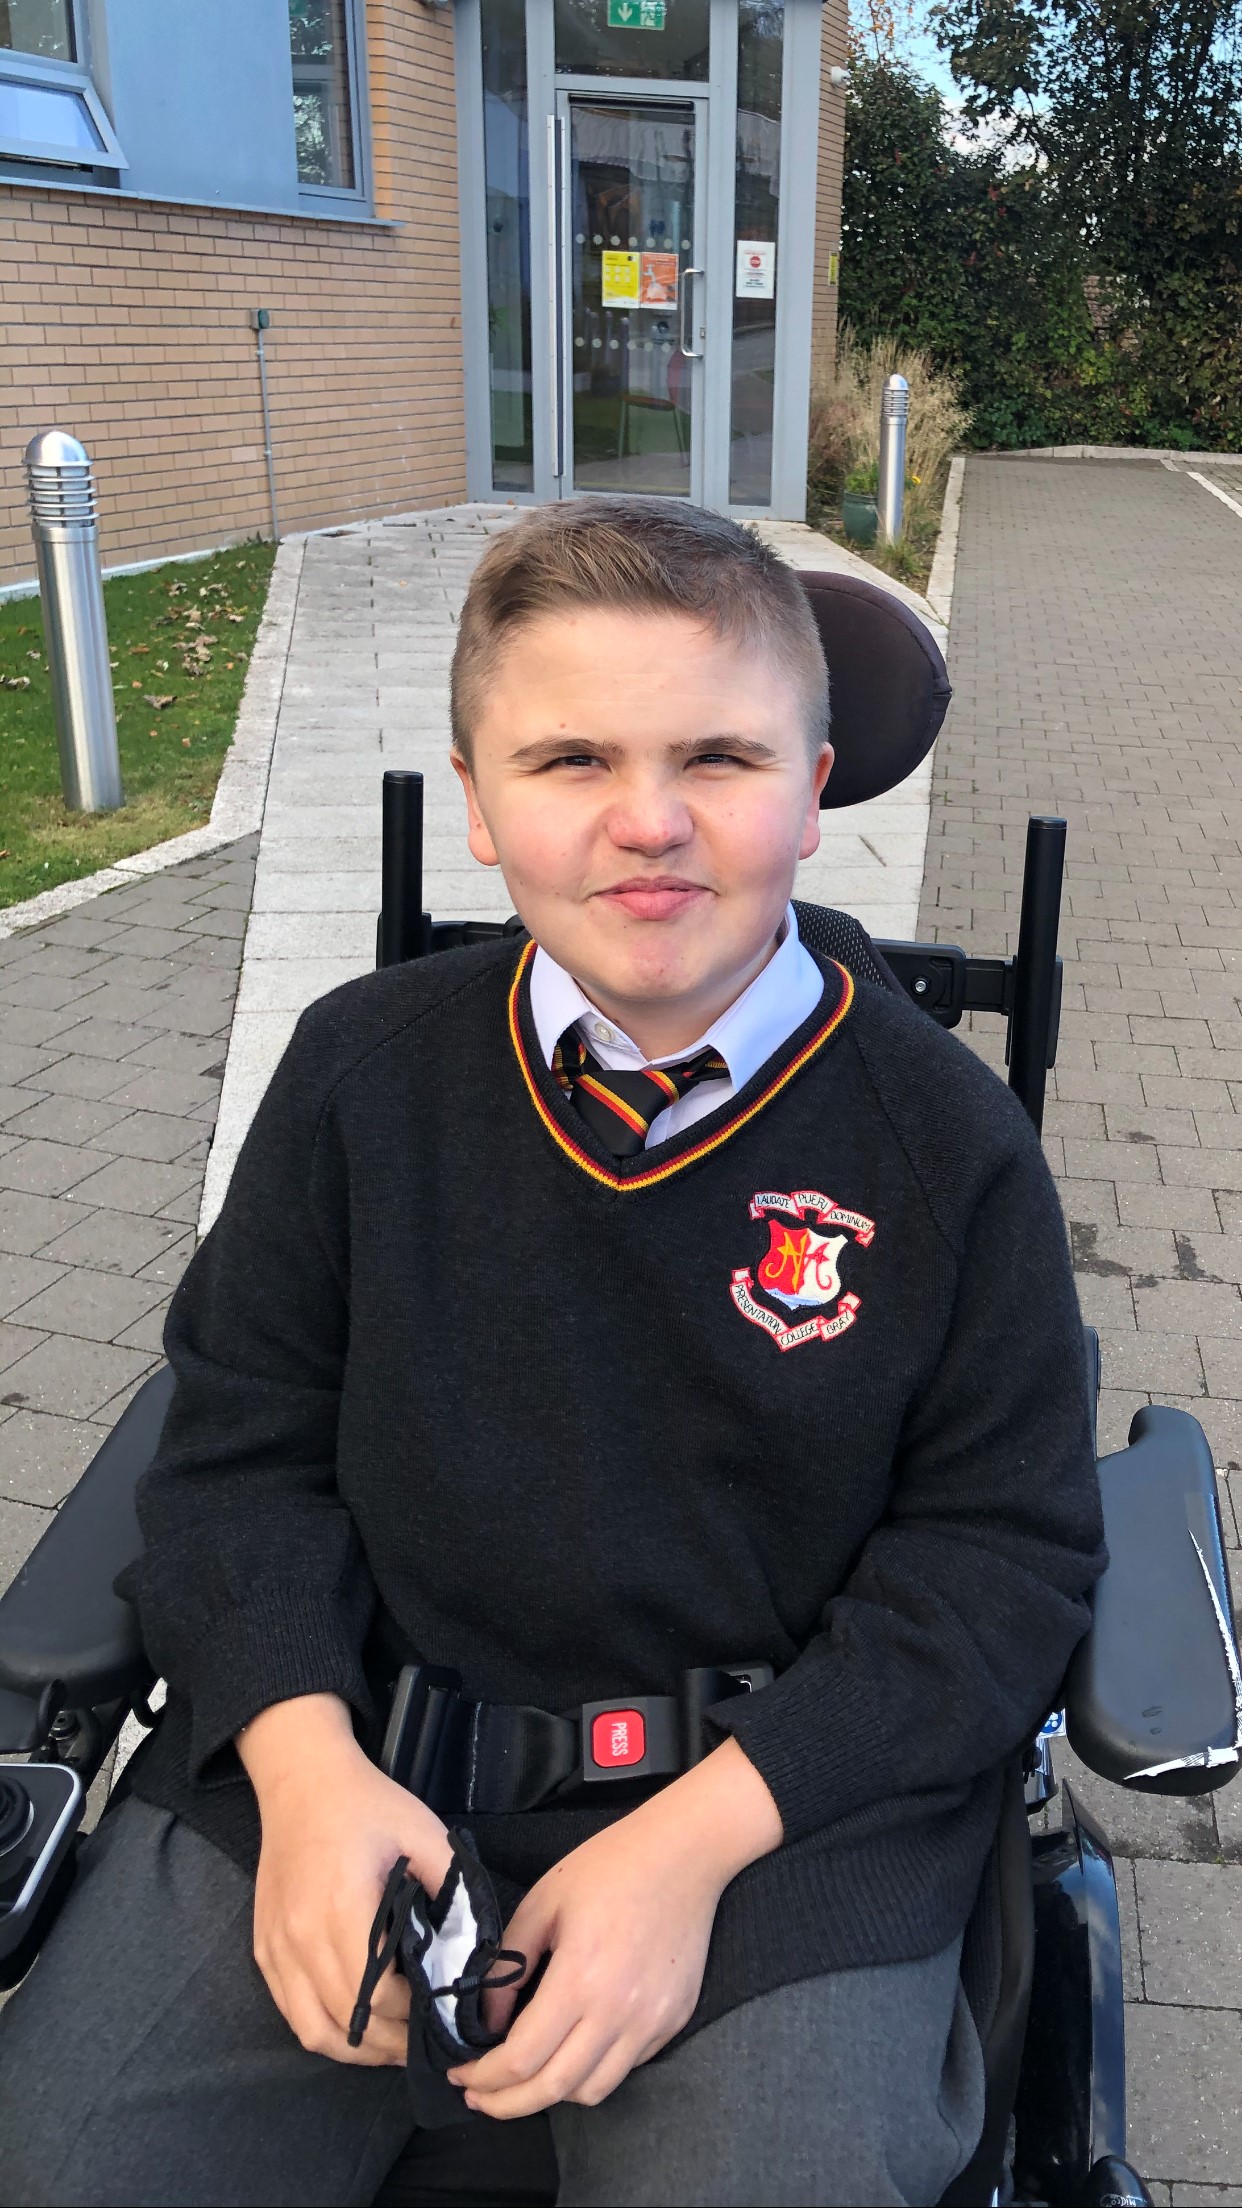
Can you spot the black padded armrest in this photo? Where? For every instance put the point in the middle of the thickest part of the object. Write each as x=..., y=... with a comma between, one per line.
x=1153, y=1698
x=60, y=1618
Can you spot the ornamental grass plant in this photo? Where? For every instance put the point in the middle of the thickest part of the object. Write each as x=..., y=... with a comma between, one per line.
x=846, y=391
x=845, y=418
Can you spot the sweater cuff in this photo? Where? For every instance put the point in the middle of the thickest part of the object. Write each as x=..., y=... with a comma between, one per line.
x=281, y=1644
x=780, y=1730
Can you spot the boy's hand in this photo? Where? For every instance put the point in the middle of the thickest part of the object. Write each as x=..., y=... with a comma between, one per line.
x=626, y=1919
x=333, y=1826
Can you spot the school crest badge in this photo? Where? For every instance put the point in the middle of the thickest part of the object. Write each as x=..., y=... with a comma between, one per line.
x=800, y=1268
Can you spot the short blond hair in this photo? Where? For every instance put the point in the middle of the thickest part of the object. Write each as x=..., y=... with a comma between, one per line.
x=637, y=555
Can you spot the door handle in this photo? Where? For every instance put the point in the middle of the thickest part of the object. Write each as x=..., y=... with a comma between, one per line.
x=685, y=297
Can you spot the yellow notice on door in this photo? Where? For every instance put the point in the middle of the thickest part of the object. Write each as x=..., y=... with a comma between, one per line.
x=619, y=279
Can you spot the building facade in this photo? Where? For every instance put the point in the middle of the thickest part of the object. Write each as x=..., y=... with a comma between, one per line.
x=506, y=248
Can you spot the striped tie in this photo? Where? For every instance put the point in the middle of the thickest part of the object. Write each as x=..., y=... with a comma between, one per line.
x=620, y=1107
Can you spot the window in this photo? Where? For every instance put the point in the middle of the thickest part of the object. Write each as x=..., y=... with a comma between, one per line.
x=38, y=27
x=632, y=38
x=507, y=168
x=320, y=36
x=50, y=111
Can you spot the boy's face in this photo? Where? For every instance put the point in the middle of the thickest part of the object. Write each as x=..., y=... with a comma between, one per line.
x=647, y=791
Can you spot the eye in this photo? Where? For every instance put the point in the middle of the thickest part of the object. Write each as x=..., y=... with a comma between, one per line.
x=721, y=756
x=569, y=759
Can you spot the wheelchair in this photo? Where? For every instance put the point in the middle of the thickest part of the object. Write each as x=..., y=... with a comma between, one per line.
x=1153, y=1696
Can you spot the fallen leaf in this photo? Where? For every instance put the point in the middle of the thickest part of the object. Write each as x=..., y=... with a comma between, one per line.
x=162, y=664
x=135, y=686
x=159, y=703
x=15, y=682
x=34, y=655
x=185, y=742
x=136, y=650
x=234, y=616
x=6, y=854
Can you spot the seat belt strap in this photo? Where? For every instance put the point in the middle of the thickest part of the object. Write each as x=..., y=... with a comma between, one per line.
x=493, y=1758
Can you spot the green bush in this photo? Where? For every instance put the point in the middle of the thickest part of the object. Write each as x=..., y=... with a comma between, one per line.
x=980, y=256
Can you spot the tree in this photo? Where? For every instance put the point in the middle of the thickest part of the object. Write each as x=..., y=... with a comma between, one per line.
x=966, y=254
x=1133, y=111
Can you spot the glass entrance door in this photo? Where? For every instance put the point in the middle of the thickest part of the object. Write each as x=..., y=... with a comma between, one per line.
x=633, y=300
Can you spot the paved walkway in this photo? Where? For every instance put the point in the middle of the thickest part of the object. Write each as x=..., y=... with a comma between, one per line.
x=114, y=1025
x=1097, y=661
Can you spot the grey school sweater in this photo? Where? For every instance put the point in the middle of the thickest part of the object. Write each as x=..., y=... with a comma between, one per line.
x=804, y=1384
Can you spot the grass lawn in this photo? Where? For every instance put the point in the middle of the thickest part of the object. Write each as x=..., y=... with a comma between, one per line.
x=180, y=637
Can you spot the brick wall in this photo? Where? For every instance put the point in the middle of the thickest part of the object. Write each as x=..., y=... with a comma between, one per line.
x=834, y=54
x=128, y=323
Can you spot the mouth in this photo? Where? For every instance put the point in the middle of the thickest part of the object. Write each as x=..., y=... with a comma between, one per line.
x=653, y=896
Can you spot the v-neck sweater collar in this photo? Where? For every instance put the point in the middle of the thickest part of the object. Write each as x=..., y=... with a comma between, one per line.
x=623, y=1175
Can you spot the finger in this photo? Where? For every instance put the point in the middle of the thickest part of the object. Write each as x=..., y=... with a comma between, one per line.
x=529, y=1933
x=575, y=2060
x=500, y=2002
x=607, y=2075
x=553, y=2013
x=391, y=1998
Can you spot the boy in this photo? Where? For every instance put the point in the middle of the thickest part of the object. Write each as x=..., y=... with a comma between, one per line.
x=644, y=1296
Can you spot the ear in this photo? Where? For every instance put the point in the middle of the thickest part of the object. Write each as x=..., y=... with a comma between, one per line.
x=810, y=826
x=478, y=834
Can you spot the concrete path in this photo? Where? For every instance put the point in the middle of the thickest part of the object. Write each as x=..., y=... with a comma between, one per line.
x=366, y=688
x=1096, y=657
x=114, y=1024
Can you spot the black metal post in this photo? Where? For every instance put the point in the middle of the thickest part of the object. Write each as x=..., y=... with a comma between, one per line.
x=402, y=927
x=1035, y=968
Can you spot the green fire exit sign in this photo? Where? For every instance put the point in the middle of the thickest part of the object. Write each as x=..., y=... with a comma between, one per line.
x=636, y=15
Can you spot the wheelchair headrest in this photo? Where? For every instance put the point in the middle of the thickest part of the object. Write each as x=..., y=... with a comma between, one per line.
x=890, y=687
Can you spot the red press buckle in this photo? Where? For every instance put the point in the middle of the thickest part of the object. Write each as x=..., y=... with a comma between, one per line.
x=635, y=1739
x=618, y=1737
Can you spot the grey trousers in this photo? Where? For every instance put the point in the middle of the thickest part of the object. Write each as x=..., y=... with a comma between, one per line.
x=143, y=2061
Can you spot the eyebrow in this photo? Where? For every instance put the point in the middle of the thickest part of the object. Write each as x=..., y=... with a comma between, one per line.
x=543, y=748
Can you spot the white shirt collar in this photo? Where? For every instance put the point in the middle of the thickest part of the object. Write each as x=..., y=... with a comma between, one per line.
x=755, y=1025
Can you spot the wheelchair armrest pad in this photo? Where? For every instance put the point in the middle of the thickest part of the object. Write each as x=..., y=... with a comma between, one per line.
x=1153, y=1698
x=60, y=1618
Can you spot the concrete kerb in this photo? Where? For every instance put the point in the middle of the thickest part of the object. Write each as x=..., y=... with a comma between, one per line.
x=237, y=809
x=1163, y=453
x=944, y=562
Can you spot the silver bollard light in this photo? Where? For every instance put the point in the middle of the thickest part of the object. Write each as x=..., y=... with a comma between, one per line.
x=891, y=499
x=65, y=520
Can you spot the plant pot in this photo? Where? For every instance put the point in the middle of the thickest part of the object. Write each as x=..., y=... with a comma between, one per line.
x=860, y=516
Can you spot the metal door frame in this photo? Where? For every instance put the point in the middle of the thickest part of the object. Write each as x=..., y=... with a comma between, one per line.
x=625, y=92
x=716, y=164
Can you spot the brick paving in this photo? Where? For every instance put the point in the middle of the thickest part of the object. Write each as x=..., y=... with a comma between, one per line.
x=1096, y=656
x=114, y=1024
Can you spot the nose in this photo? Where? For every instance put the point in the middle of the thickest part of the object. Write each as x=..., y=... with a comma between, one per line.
x=649, y=817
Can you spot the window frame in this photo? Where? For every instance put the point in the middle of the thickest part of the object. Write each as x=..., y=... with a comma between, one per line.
x=18, y=67
x=359, y=193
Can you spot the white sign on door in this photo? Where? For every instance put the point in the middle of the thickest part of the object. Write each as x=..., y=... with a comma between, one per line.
x=756, y=268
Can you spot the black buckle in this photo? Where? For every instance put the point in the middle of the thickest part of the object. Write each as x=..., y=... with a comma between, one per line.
x=421, y=1701
x=633, y=1736
x=649, y=1736
x=706, y=1684
x=460, y=1756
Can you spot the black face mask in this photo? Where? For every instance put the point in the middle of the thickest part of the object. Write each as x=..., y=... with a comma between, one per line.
x=444, y=1945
